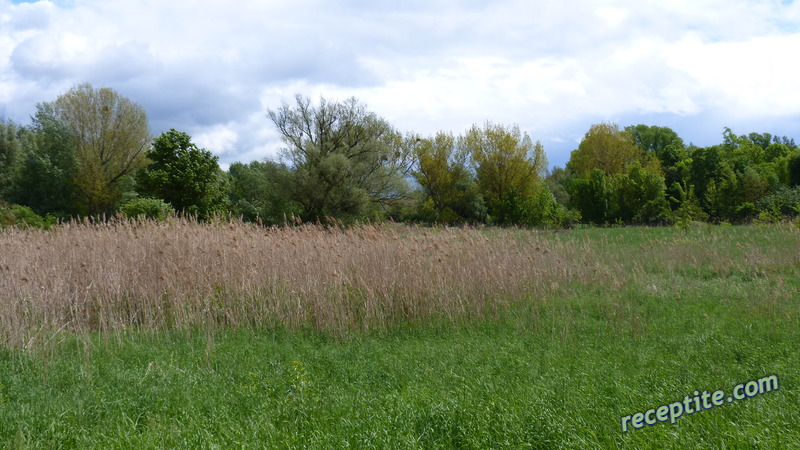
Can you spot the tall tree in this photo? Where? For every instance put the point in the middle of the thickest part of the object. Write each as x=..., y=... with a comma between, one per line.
x=182, y=174
x=594, y=196
x=10, y=155
x=346, y=161
x=451, y=193
x=793, y=169
x=506, y=162
x=45, y=178
x=641, y=196
x=604, y=147
x=661, y=142
x=257, y=191
x=111, y=135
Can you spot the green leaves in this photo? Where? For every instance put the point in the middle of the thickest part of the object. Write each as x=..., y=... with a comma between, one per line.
x=111, y=134
x=346, y=161
x=451, y=191
x=185, y=176
x=604, y=147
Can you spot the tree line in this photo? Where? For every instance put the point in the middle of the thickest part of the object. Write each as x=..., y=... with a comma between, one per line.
x=90, y=153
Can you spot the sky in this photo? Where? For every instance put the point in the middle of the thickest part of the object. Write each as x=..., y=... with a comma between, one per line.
x=553, y=67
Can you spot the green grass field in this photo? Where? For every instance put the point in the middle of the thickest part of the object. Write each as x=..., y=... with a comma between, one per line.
x=652, y=316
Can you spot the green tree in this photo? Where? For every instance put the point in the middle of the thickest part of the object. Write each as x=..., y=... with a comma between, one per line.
x=111, y=135
x=558, y=181
x=257, y=192
x=346, y=161
x=182, y=174
x=45, y=178
x=604, y=147
x=10, y=155
x=752, y=185
x=507, y=163
x=661, y=142
x=641, y=196
x=594, y=197
x=450, y=191
x=793, y=169
x=707, y=166
x=776, y=151
x=686, y=206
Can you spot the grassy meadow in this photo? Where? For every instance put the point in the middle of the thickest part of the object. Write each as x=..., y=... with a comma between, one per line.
x=222, y=335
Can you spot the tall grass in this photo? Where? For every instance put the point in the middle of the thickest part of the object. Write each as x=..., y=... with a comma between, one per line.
x=112, y=276
x=182, y=274
x=559, y=336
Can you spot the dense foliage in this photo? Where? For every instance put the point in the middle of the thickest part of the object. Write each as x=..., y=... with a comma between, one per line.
x=89, y=153
x=182, y=174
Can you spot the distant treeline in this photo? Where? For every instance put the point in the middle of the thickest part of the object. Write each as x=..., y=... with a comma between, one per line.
x=90, y=153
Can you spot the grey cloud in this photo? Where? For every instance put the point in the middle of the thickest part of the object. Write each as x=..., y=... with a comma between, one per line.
x=122, y=62
x=39, y=57
x=196, y=68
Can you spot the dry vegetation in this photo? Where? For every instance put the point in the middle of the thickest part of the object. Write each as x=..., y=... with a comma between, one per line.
x=112, y=276
x=181, y=274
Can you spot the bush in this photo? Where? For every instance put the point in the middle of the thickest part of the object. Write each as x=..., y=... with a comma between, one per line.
x=22, y=216
x=150, y=208
x=785, y=202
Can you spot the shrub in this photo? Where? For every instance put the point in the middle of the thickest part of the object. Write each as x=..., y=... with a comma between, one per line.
x=22, y=216
x=150, y=208
x=785, y=202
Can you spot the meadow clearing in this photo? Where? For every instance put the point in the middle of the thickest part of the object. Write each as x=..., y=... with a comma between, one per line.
x=182, y=334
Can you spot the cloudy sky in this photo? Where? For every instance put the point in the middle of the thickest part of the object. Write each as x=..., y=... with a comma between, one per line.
x=554, y=67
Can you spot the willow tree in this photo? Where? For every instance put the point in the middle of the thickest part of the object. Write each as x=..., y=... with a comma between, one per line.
x=346, y=162
x=509, y=167
x=111, y=136
x=450, y=191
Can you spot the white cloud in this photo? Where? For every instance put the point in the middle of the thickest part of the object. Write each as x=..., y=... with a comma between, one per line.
x=219, y=139
x=552, y=66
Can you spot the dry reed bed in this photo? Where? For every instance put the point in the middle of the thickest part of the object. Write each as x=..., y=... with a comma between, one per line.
x=112, y=276
x=179, y=274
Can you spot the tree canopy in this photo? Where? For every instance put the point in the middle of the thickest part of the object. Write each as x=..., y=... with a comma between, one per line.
x=180, y=173
x=606, y=147
x=111, y=136
x=342, y=161
x=347, y=161
x=507, y=164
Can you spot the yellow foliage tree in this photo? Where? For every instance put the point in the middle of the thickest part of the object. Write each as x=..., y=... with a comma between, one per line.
x=606, y=147
x=112, y=135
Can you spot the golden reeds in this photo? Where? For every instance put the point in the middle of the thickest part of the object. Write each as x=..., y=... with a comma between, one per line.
x=117, y=275
x=111, y=276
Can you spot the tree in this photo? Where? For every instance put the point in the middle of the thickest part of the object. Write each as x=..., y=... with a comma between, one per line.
x=593, y=196
x=641, y=196
x=752, y=185
x=111, y=136
x=661, y=142
x=257, y=191
x=604, y=147
x=793, y=169
x=346, y=161
x=450, y=191
x=558, y=181
x=776, y=151
x=182, y=174
x=506, y=162
x=45, y=179
x=10, y=155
